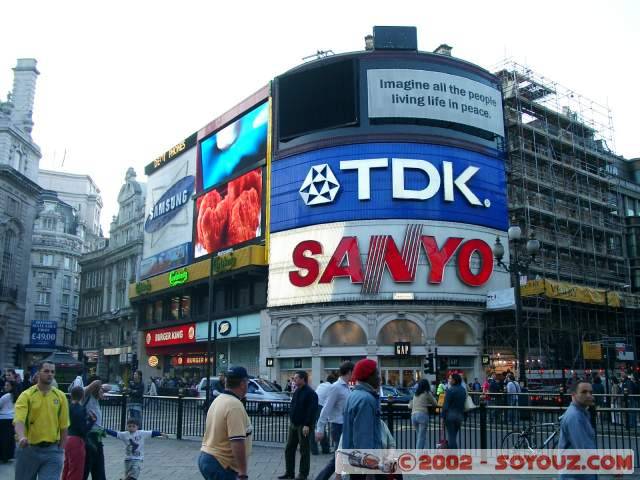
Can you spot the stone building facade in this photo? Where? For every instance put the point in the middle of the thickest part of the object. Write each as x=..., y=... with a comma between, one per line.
x=107, y=323
x=19, y=161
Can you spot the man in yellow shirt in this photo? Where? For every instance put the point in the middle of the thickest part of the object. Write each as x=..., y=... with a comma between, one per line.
x=226, y=444
x=41, y=420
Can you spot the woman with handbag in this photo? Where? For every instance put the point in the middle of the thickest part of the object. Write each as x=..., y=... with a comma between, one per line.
x=453, y=409
x=419, y=405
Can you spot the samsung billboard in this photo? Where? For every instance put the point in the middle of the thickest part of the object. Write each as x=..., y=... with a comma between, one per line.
x=169, y=215
x=379, y=181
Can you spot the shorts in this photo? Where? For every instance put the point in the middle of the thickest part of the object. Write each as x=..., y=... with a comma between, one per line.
x=132, y=469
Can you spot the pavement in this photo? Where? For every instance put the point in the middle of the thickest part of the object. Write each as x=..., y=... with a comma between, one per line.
x=177, y=459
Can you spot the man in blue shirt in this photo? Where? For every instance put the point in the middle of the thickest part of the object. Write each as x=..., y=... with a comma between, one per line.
x=576, y=431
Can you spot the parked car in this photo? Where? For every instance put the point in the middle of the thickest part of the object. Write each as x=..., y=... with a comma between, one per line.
x=391, y=394
x=262, y=396
x=546, y=396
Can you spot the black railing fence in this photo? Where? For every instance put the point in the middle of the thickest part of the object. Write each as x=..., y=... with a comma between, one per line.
x=485, y=426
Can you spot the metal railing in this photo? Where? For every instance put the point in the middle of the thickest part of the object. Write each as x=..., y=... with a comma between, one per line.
x=484, y=427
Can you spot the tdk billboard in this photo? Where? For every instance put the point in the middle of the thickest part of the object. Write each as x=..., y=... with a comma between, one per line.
x=388, y=181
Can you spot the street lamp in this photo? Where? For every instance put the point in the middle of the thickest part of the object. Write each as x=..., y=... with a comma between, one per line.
x=518, y=264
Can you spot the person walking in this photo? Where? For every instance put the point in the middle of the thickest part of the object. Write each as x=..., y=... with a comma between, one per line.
x=616, y=403
x=419, y=405
x=7, y=408
x=94, y=450
x=629, y=388
x=226, y=444
x=362, y=426
x=41, y=438
x=74, y=449
x=453, y=409
x=302, y=418
x=332, y=413
x=136, y=397
x=513, y=396
x=576, y=431
x=322, y=391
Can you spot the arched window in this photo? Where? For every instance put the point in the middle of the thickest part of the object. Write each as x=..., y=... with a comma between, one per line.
x=400, y=331
x=296, y=336
x=343, y=332
x=455, y=333
x=8, y=267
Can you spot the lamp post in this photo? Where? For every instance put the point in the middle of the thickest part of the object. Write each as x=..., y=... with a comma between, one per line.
x=518, y=263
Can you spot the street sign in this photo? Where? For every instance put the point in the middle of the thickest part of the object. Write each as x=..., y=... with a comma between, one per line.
x=591, y=351
x=485, y=359
x=269, y=362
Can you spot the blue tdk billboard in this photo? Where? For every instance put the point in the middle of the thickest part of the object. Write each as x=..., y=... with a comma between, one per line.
x=388, y=181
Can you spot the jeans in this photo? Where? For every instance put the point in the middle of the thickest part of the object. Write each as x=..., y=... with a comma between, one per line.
x=324, y=443
x=296, y=437
x=211, y=469
x=329, y=470
x=453, y=427
x=420, y=420
x=42, y=462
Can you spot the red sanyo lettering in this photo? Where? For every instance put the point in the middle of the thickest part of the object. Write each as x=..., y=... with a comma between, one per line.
x=383, y=252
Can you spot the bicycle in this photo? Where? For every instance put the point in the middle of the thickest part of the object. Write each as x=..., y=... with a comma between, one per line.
x=525, y=440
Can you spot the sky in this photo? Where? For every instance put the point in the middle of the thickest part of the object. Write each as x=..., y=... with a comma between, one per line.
x=122, y=82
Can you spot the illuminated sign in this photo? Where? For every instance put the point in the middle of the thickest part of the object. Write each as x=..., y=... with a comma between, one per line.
x=224, y=263
x=401, y=263
x=381, y=181
x=169, y=204
x=402, y=349
x=143, y=287
x=153, y=361
x=269, y=362
x=224, y=328
x=178, y=277
x=170, y=154
x=171, y=335
x=485, y=359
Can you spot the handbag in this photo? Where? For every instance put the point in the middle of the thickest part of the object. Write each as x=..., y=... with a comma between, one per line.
x=468, y=404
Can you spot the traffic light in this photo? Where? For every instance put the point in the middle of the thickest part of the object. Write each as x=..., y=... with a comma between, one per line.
x=429, y=365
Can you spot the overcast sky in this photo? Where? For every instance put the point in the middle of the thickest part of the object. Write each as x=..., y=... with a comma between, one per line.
x=122, y=83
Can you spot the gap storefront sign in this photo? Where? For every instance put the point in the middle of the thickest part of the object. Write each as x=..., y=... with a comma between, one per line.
x=375, y=221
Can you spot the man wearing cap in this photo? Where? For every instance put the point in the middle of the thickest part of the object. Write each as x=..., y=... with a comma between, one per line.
x=361, y=419
x=226, y=444
x=302, y=416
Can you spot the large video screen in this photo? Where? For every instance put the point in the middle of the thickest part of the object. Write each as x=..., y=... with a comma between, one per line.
x=235, y=148
x=229, y=214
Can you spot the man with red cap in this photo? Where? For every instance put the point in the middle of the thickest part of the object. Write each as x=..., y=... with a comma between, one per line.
x=361, y=427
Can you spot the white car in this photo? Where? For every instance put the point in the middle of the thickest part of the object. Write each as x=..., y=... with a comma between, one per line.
x=262, y=395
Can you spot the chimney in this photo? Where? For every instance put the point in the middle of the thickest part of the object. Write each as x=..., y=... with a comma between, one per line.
x=368, y=42
x=443, y=49
x=24, y=89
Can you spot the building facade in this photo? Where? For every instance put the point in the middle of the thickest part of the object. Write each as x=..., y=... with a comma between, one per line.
x=54, y=279
x=107, y=325
x=19, y=191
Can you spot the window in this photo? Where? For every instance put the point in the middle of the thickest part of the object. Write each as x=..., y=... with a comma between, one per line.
x=49, y=223
x=76, y=301
x=44, y=279
x=65, y=300
x=8, y=268
x=157, y=312
x=76, y=283
x=64, y=319
x=66, y=282
x=46, y=260
x=41, y=315
x=44, y=298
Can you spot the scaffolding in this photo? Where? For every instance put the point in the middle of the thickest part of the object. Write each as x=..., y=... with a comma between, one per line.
x=562, y=187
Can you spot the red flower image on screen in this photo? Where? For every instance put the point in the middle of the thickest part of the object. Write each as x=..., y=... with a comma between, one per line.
x=229, y=214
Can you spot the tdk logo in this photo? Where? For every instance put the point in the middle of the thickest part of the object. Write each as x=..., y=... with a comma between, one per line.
x=321, y=186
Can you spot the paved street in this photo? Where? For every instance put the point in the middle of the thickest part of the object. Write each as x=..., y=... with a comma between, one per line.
x=177, y=459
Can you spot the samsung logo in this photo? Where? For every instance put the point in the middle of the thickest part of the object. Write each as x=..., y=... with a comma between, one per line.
x=171, y=202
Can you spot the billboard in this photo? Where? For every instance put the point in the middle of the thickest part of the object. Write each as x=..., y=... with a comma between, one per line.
x=373, y=260
x=229, y=214
x=388, y=181
x=422, y=94
x=43, y=333
x=234, y=148
x=171, y=335
x=168, y=224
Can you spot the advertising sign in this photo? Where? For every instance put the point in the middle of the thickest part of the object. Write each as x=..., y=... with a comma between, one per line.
x=171, y=335
x=373, y=260
x=404, y=93
x=169, y=221
x=233, y=149
x=501, y=299
x=388, y=181
x=229, y=214
x=43, y=333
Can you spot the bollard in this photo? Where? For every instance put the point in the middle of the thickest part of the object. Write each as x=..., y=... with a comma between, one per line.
x=123, y=413
x=180, y=410
x=483, y=424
